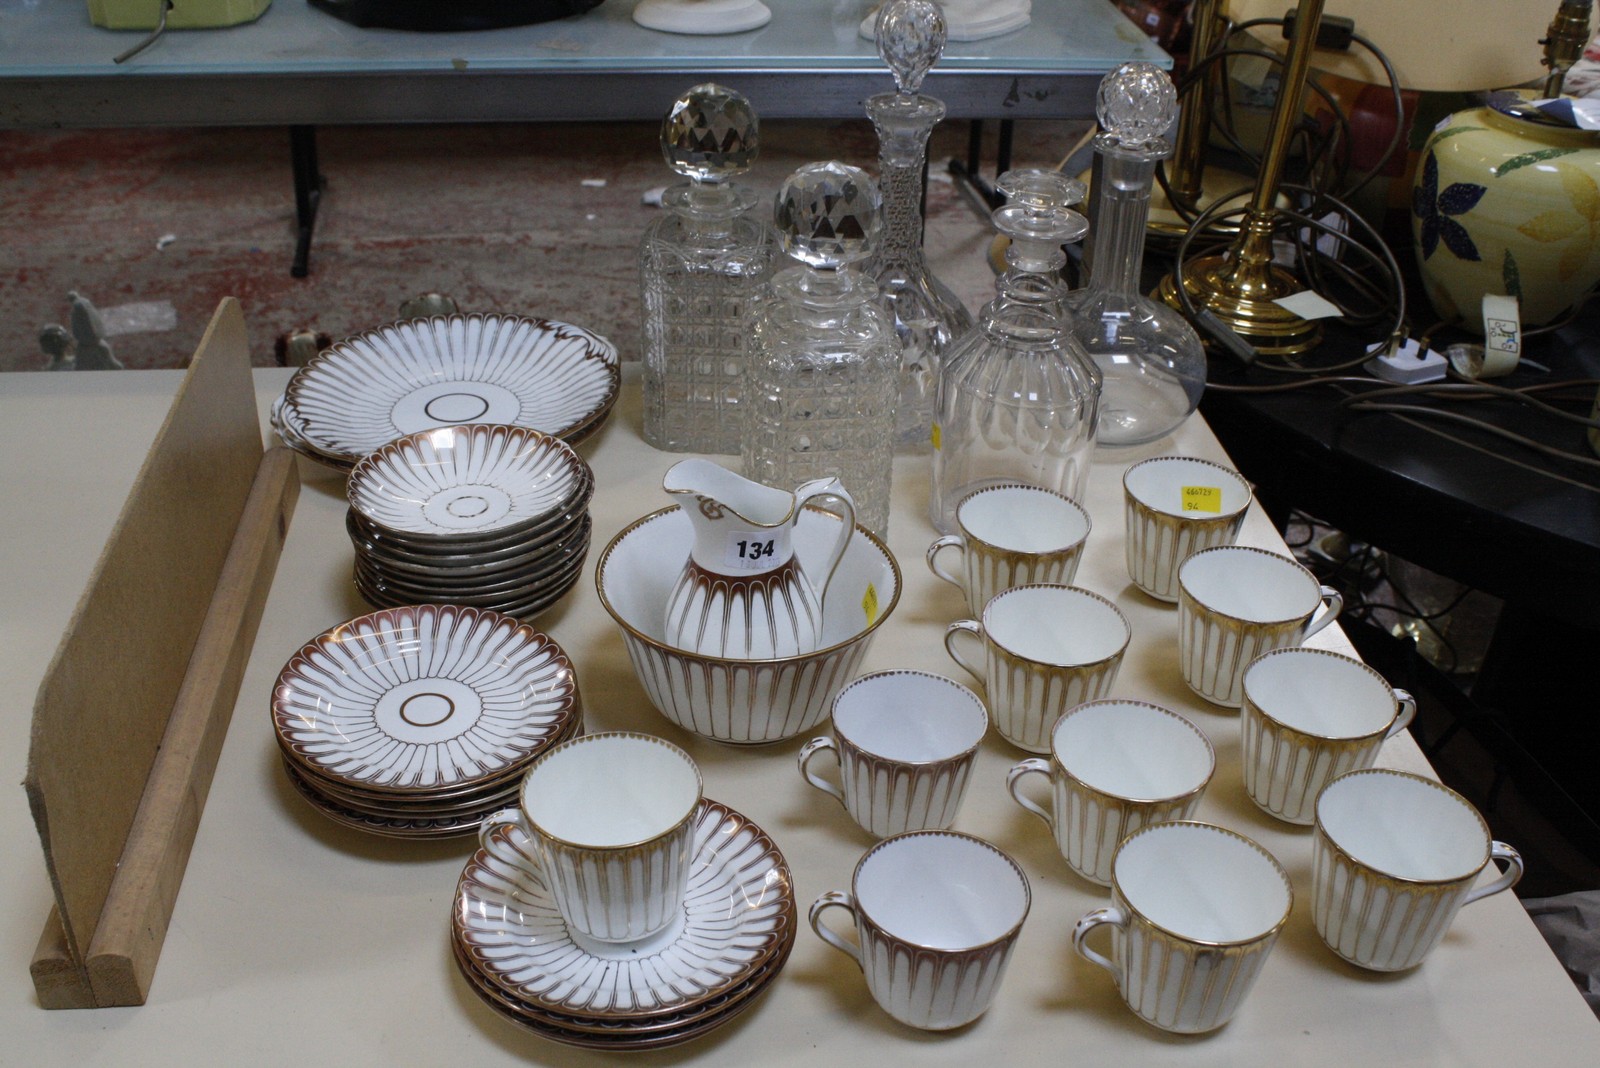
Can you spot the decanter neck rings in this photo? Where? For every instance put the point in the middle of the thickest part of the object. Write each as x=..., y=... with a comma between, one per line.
x=904, y=122
x=1038, y=218
x=709, y=201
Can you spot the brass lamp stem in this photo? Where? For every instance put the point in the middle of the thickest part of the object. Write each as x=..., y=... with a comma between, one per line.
x=1194, y=123
x=1564, y=42
x=1240, y=286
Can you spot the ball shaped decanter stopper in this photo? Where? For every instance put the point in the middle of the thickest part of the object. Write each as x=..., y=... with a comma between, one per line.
x=710, y=134
x=828, y=214
x=1136, y=105
x=911, y=36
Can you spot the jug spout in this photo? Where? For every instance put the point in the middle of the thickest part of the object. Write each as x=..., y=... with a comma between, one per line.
x=738, y=524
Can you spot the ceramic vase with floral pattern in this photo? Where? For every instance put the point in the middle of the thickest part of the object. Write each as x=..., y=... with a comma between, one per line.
x=1502, y=205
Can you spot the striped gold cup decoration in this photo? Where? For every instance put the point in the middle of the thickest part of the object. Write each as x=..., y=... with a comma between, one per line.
x=1195, y=911
x=1045, y=649
x=1115, y=766
x=616, y=861
x=1395, y=857
x=1310, y=716
x=1237, y=602
x=1012, y=535
x=937, y=914
x=1173, y=507
x=905, y=742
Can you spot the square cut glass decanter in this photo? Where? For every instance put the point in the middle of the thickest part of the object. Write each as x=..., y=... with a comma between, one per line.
x=823, y=370
x=928, y=318
x=700, y=267
x=1151, y=361
x=1018, y=397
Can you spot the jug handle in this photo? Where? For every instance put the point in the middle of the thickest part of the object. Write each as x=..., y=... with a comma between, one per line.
x=829, y=487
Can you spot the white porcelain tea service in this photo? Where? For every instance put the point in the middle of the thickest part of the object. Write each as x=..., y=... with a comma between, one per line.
x=419, y=722
x=361, y=393
x=742, y=594
x=485, y=515
x=905, y=743
x=747, y=700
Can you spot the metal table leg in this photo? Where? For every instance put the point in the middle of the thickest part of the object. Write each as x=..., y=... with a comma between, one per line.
x=308, y=185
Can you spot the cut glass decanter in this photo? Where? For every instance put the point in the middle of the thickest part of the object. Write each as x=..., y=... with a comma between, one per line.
x=1018, y=398
x=701, y=265
x=928, y=318
x=1152, y=364
x=822, y=383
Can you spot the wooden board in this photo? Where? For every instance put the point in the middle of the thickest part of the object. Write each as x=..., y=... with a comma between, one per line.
x=131, y=713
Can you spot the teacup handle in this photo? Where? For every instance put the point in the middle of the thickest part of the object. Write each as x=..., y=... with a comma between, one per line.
x=1332, y=605
x=1031, y=766
x=835, y=899
x=811, y=749
x=949, y=541
x=952, y=634
x=1092, y=919
x=504, y=818
x=829, y=487
x=1402, y=719
x=1508, y=878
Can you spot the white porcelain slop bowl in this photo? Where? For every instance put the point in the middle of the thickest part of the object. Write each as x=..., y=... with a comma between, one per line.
x=745, y=702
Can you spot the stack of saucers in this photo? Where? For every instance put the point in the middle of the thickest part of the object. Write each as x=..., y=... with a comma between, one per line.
x=489, y=516
x=363, y=392
x=420, y=722
x=518, y=956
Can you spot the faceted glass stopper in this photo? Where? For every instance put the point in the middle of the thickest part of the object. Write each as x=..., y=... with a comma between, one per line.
x=1137, y=103
x=828, y=214
x=710, y=134
x=911, y=36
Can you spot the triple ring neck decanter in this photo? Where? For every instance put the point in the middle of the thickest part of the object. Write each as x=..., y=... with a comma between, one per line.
x=928, y=317
x=701, y=266
x=1151, y=361
x=1018, y=397
x=823, y=354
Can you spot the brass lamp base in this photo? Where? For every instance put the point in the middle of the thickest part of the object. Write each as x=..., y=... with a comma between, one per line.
x=1248, y=308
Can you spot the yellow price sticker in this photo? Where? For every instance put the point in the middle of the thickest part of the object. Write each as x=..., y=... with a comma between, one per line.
x=869, y=604
x=933, y=436
x=1202, y=499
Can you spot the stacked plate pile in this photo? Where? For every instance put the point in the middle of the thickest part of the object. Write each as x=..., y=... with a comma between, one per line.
x=518, y=956
x=488, y=516
x=363, y=392
x=420, y=722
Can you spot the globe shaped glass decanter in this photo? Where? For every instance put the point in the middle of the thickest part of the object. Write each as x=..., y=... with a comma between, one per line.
x=701, y=266
x=928, y=317
x=822, y=382
x=1152, y=364
x=1018, y=397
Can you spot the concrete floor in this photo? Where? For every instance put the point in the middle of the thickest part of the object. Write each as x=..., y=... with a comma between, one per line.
x=156, y=226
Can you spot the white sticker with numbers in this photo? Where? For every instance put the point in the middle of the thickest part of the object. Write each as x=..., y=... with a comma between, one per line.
x=750, y=550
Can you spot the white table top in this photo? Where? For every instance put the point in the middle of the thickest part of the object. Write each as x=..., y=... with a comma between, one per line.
x=298, y=941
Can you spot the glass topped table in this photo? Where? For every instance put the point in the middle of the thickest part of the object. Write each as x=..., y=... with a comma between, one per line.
x=300, y=66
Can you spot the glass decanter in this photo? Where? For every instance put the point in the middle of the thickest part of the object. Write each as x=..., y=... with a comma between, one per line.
x=700, y=266
x=1152, y=364
x=822, y=382
x=928, y=318
x=1018, y=397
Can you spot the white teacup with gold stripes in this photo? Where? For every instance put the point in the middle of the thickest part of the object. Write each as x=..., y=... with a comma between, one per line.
x=1309, y=716
x=1012, y=535
x=1395, y=856
x=1174, y=507
x=1195, y=911
x=905, y=742
x=1115, y=766
x=1236, y=602
x=1040, y=650
x=610, y=822
x=936, y=914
